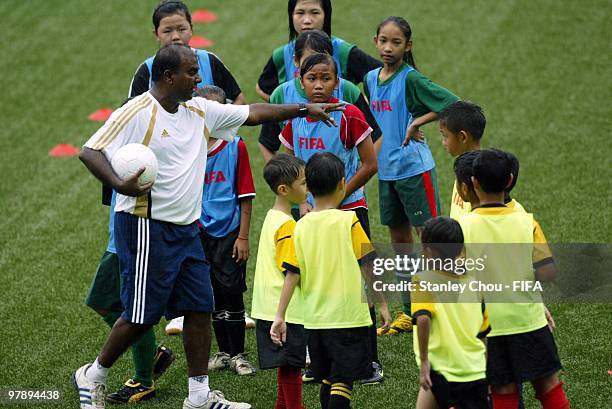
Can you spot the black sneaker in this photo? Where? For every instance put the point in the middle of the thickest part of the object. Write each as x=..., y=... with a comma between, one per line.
x=131, y=392
x=163, y=359
x=378, y=375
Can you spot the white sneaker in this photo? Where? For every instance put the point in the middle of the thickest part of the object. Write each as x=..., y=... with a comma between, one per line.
x=216, y=400
x=241, y=366
x=220, y=360
x=91, y=395
x=248, y=321
x=175, y=326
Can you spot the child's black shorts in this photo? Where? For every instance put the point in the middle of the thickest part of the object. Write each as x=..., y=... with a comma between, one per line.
x=226, y=275
x=464, y=395
x=292, y=353
x=340, y=355
x=522, y=357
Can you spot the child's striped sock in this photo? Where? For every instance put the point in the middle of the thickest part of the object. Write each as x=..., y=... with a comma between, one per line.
x=340, y=396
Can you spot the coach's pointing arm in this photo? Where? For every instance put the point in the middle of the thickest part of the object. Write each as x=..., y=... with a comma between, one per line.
x=260, y=113
x=98, y=164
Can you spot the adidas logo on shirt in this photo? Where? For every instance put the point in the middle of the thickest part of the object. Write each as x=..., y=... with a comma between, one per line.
x=165, y=134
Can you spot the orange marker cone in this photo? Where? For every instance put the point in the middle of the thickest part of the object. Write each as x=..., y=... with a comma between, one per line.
x=203, y=16
x=100, y=115
x=63, y=150
x=200, y=42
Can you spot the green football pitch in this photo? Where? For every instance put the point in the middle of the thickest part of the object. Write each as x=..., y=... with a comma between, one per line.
x=540, y=69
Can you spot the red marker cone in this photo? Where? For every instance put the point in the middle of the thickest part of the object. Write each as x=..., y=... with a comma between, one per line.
x=64, y=149
x=203, y=16
x=200, y=42
x=100, y=115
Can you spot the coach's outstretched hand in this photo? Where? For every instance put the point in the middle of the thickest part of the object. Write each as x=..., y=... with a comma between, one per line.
x=260, y=113
x=320, y=112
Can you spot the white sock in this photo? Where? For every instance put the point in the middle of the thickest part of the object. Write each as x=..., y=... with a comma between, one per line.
x=198, y=389
x=96, y=373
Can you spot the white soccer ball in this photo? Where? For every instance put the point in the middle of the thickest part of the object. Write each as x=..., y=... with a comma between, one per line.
x=130, y=158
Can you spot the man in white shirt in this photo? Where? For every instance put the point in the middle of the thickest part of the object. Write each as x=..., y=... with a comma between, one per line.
x=162, y=262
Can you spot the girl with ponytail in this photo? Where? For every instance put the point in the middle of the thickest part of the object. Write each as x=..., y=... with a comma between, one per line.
x=402, y=100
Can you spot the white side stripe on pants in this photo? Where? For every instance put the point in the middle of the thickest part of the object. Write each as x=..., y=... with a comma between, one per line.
x=145, y=270
x=135, y=302
x=140, y=279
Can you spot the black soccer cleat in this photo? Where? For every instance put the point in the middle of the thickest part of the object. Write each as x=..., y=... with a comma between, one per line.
x=132, y=392
x=163, y=359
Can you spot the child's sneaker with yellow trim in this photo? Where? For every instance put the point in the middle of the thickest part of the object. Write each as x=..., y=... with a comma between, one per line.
x=401, y=323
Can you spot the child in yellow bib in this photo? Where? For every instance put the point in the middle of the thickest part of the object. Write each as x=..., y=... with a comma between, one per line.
x=520, y=345
x=449, y=353
x=285, y=176
x=330, y=245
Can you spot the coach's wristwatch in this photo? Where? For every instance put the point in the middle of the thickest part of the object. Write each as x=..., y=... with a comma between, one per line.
x=302, y=111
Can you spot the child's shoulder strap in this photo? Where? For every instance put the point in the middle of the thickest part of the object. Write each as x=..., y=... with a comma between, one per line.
x=374, y=73
x=342, y=49
x=405, y=70
x=372, y=77
x=149, y=63
x=201, y=55
x=278, y=56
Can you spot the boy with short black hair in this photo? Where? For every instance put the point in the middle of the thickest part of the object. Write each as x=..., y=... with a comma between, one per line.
x=521, y=347
x=285, y=175
x=329, y=247
x=224, y=231
x=466, y=122
x=463, y=178
x=449, y=353
x=464, y=173
x=462, y=125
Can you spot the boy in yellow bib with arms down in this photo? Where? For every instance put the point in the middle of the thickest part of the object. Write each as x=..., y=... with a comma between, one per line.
x=329, y=247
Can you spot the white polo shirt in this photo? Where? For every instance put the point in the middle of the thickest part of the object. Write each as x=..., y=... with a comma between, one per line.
x=179, y=141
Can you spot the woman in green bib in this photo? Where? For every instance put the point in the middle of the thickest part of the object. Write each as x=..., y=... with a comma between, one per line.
x=312, y=15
